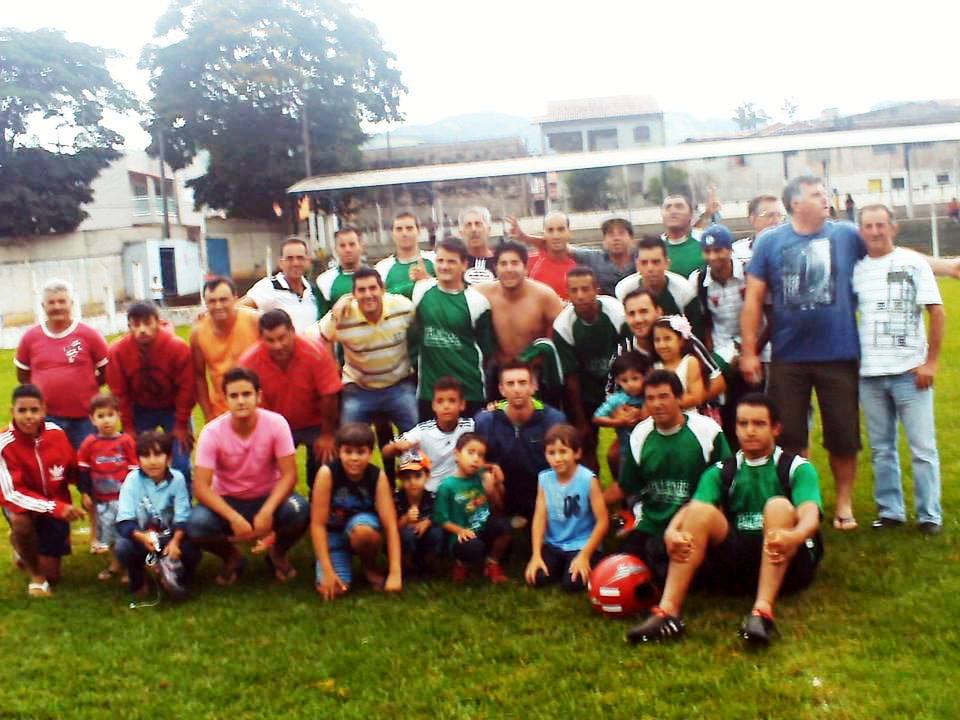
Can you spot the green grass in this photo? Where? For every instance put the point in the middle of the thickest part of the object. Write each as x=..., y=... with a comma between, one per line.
x=876, y=636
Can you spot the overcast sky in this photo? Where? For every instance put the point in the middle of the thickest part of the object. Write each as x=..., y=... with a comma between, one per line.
x=514, y=55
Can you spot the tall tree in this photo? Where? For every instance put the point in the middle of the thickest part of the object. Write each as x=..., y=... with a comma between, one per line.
x=588, y=188
x=242, y=79
x=52, y=87
x=749, y=117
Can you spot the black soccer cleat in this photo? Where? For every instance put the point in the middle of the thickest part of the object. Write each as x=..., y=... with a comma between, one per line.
x=757, y=628
x=657, y=627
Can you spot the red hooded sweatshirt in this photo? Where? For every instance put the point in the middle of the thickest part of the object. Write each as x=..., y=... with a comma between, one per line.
x=35, y=471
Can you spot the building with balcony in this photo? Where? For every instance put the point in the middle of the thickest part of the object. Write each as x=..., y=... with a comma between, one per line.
x=604, y=123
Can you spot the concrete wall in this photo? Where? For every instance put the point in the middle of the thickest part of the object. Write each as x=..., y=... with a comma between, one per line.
x=249, y=241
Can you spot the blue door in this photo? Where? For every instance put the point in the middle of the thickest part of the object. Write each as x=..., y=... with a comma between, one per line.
x=218, y=256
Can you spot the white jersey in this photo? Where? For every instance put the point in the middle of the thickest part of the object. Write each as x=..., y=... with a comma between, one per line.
x=438, y=446
x=273, y=293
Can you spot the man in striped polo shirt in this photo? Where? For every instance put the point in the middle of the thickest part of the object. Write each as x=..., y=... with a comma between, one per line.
x=372, y=327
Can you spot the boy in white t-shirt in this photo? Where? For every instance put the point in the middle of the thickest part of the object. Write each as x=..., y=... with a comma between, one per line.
x=437, y=438
x=897, y=368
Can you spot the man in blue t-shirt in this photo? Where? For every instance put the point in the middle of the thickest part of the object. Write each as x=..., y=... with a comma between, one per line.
x=806, y=267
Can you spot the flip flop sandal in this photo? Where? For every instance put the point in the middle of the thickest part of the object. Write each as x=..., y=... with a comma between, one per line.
x=39, y=590
x=231, y=573
x=280, y=575
x=105, y=574
x=845, y=524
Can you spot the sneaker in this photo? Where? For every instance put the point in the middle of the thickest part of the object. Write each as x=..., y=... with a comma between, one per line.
x=929, y=528
x=882, y=523
x=494, y=572
x=658, y=626
x=458, y=575
x=757, y=628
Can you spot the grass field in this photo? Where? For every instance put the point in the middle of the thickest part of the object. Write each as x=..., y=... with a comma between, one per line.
x=875, y=637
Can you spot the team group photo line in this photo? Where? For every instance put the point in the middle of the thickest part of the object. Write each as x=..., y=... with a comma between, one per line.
x=450, y=402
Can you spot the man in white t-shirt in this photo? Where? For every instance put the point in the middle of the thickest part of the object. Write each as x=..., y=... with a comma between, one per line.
x=289, y=290
x=897, y=368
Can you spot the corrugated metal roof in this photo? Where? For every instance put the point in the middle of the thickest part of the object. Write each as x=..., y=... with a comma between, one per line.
x=599, y=107
x=628, y=156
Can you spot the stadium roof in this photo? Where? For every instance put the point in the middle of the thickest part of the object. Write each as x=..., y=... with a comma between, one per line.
x=629, y=156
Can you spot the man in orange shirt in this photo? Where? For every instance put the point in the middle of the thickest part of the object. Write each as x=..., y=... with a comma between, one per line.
x=218, y=340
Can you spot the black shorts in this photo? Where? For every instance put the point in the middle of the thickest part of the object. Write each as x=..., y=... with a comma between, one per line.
x=53, y=534
x=733, y=566
x=651, y=550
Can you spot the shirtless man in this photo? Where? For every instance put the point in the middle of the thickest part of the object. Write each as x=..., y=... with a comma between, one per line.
x=521, y=309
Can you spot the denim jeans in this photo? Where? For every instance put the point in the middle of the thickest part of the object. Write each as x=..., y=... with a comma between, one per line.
x=76, y=429
x=398, y=402
x=150, y=419
x=887, y=399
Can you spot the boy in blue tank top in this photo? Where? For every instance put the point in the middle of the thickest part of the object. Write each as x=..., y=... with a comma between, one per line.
x=352, y=513
x=570, y=517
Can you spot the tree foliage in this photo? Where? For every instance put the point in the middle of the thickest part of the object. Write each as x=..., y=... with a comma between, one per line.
x=234, y=78
x=65, y=87
x=589, y=189
x=749, y=117
x=674, y=180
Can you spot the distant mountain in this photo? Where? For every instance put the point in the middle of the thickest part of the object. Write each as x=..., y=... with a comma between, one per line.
x=489, y=125
x=466, y=127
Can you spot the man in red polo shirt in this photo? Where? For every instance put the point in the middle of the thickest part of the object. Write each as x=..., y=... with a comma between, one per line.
x=300, y=381
x=151, y=375
x=65, y=358
x=553, y=262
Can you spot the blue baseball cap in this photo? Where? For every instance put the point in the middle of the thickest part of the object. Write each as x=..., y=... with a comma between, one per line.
x=716, y=236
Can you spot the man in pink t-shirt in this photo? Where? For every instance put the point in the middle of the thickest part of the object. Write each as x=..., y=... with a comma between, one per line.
x=243, y=479
x=66, y=359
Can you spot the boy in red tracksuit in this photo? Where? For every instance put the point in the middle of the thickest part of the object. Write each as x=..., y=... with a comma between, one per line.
x=37, y=462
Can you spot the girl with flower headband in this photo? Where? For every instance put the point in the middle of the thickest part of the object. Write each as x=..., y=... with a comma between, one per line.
x=680, y=351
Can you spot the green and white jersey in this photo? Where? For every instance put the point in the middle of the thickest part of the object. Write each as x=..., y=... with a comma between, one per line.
x=331, y=286
x=660, y=472
x=685, y=256
x=754, y=484
x=586, y=349
x=453, y=336
x=678, y=297
x=396, y=274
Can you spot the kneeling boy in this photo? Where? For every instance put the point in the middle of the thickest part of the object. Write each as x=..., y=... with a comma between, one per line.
x=351, y=512
x=753, y=524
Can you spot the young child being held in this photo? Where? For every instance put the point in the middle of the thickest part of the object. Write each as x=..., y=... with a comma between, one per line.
x=570, y=517
x=420, y=540
x=350, y=513
x=152, y=514
x=104, y=459
x=462, y=509
x=679, y=351
x=436, y=438
x=623, y=410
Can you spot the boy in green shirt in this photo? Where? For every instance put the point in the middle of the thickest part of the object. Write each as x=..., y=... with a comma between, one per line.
x=462, y=509
x=753, y=524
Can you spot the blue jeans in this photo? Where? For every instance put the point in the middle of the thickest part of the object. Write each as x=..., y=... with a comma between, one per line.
x=150, y=419
x=421, y=548
x=76, y=429
x=290, y=520
x=886, y=399
x=398, y=402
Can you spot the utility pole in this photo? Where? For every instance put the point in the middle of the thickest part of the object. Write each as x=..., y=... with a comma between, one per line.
x=163, y=184
x=305, y=127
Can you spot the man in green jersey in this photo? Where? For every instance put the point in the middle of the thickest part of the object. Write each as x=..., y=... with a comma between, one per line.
x=752, y=526
x=675, y=295
x=683, y=247
x=338, y=280
x=586, y=333
x=409, y=264
x=666, y=456
x=452, y=332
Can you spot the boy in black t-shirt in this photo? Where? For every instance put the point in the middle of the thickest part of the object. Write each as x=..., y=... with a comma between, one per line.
x=420, y=539
x=352, y=512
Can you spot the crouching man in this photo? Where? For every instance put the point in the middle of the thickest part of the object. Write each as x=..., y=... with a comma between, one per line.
x=752, y=525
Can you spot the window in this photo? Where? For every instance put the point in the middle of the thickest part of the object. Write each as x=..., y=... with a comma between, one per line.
x=641, y=133
x=897, y=183
x=603, y=139
x=943, y=178
x=565, y=141
x=141, y=198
